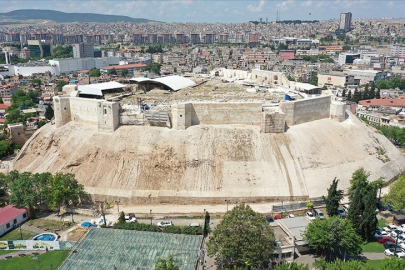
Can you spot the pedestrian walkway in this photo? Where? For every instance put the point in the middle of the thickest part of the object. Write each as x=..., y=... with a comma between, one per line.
x=21, y=254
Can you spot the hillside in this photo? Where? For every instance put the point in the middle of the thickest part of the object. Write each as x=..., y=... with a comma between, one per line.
x=205, y=164
x=57, y=16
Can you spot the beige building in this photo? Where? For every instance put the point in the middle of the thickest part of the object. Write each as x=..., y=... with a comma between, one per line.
x=336, y=79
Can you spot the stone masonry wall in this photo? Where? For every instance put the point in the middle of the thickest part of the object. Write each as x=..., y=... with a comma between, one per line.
x=273, y=121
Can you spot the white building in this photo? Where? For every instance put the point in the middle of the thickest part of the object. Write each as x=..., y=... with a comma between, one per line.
x=71, y=65
x=397, y=50
x=11, y=217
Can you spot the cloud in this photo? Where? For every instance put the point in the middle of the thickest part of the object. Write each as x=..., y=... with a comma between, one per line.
x=259, y=8
x=306, y=3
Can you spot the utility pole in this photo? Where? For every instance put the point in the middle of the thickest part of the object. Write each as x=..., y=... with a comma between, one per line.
x=226, y=206
x=150, y=215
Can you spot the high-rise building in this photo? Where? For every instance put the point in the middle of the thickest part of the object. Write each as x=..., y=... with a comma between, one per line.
x=209, y=38
x=195, y=38
x=82, y=50
x=345, y=21
x=40, y=48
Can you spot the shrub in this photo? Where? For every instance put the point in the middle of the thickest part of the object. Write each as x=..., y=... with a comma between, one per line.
x=172, y=229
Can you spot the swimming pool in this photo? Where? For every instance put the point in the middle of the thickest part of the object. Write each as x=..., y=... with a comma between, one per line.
x=45, y=237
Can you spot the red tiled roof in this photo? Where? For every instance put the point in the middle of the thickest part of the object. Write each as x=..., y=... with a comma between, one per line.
x=4, y=106
x=125, y=66
x=9, y=212
x=383, y=102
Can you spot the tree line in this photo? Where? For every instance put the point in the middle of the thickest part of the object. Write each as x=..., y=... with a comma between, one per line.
x=370, y=92
x=40, y=190
x=245, y=240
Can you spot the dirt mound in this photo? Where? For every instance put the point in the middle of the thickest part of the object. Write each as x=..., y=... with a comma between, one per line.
x=207, y=164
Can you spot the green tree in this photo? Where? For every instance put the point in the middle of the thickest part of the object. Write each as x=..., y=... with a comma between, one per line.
x=22, y=191
x=349, y=95
x=113, y=71
x=166, y=264
x=49, y=113
x=243, y=238
x=396, y=193
x=5, y=149
x=124, y=72
x=359, y=178
x=314, y=79
x=366, y=93
x=392, y=263
x=333, y=234
x=60, y=84
x=369, y=220
x=356, y=208
x=333, y=199
x=36, y=81
x=372, y=90
x=378, y=94
x=121, y=220
x=64, y=189
x=291, y=266
x=94, y=72
x=356, y=96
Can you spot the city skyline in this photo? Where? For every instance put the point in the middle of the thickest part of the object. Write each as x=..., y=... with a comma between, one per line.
x=221, y=11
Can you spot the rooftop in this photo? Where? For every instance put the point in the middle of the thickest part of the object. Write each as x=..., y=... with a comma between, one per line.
x=109, y=248
x=9, y=212
x=96, y=89
x=383, y=102
x=125, y=66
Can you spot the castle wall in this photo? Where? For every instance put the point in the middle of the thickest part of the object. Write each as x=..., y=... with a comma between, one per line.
x=62, y=112
x=273, y=121
x=338, y=111
x=100, y=113
x=302, y=111
x=211, y=113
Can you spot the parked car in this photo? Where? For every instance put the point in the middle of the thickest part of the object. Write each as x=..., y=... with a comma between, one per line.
x=395, y=233
x=385, y=239
x=340, y=212
x=391, y=245
x=277, y=217
x=401, y=254
x=380, y=232
x=319, y=214
x=381, y=206
x=346, y=207
x=310, y=215
x=270, y=219
x=165, y=223
x=291, y=216
x=194, y=224
x=130, y=219
x=392, y=251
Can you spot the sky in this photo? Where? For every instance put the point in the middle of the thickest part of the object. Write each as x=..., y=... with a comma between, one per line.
x=220, y=10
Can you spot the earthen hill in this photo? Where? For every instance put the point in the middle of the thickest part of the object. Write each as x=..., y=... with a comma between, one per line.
x=251, y=148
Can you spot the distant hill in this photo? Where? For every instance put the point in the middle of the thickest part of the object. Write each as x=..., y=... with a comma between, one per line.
x=57, y=16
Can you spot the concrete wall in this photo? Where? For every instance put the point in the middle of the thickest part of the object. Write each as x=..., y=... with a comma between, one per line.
x=84, y=110
x=105, y=115
x=19, y=133
x=270, y=77
x=273, y=121
x=338, y=111
x=306, y=110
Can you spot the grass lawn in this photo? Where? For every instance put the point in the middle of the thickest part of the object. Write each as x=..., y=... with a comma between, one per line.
x=49, y=224
x=374, y=263
x=382, y=223
x=44, y=261
x=15, y=235
x=4, y=252
x=372, y=247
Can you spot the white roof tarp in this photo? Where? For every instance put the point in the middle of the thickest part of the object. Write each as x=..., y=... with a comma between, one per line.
x=175, y=83
x=97, y=88
x=306, y=86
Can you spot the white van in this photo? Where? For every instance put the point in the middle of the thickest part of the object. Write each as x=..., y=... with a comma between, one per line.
x=319, y=214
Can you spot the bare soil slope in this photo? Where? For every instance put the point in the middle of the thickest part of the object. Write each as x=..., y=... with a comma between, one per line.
x=207, y=164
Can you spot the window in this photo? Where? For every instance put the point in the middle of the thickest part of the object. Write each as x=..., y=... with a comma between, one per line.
x=8, y=225
x=24, y=215
x=15, y=221
x=286, y=255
